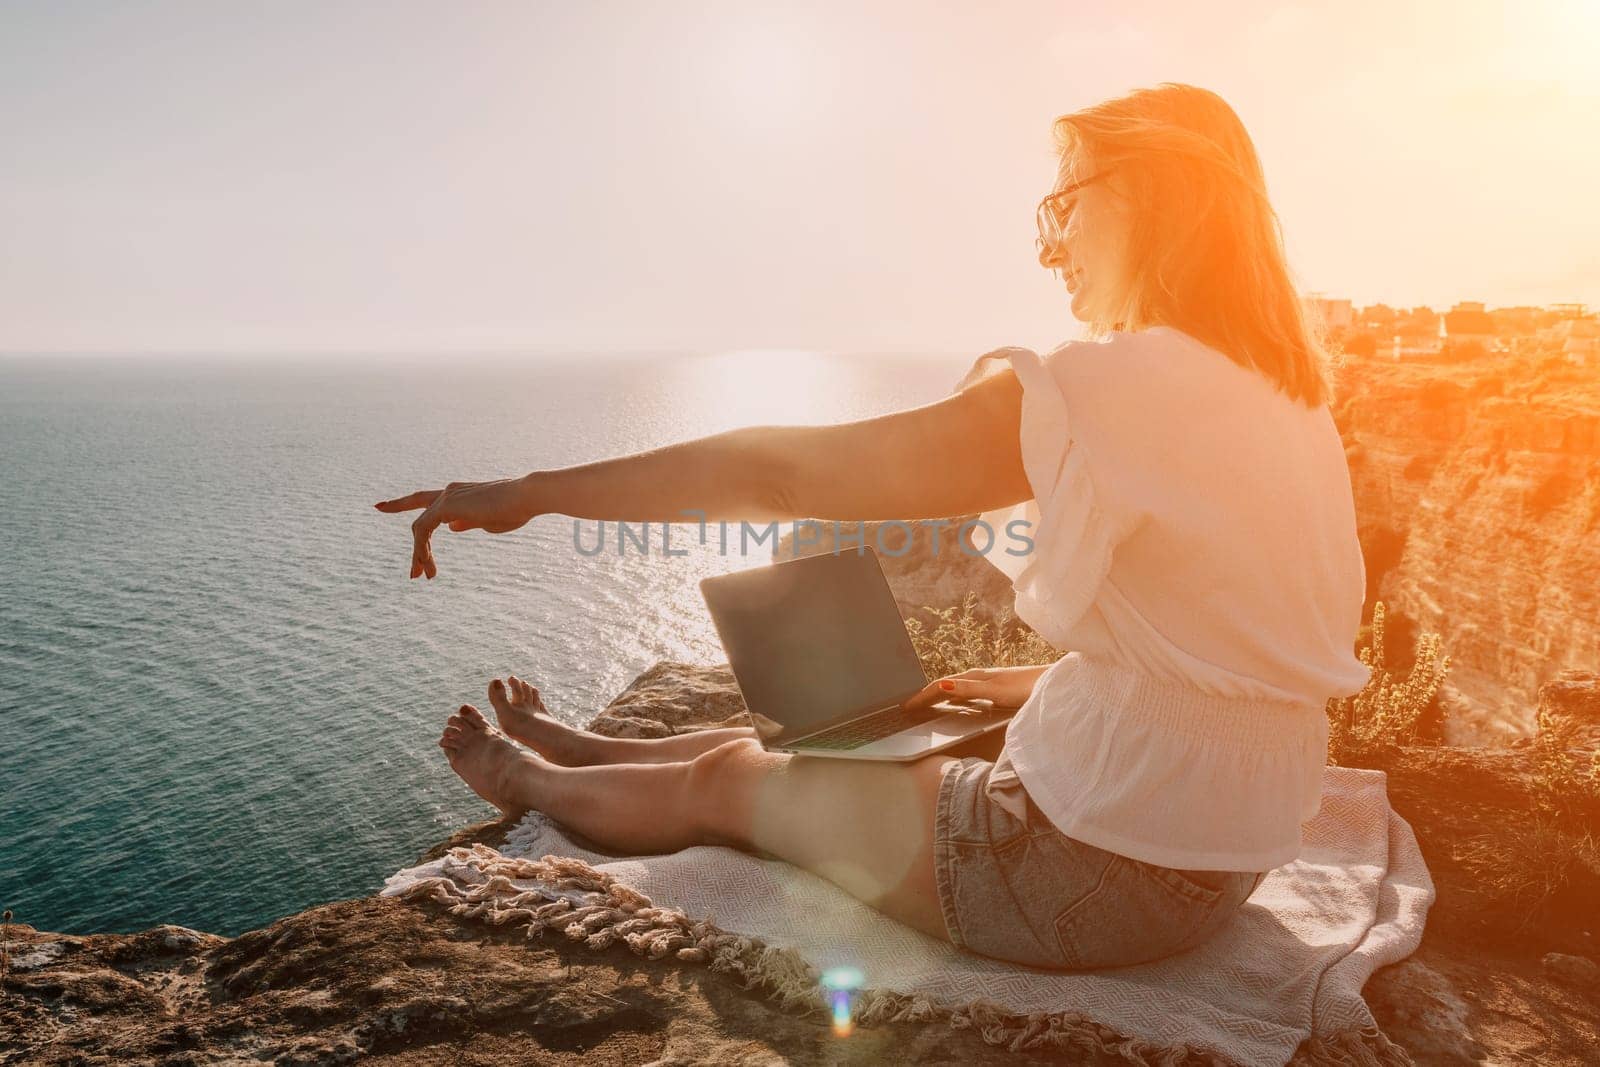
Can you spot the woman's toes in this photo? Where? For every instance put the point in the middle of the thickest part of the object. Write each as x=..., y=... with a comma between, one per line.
x=526, y=694
x=479, y=754
x=498, y=697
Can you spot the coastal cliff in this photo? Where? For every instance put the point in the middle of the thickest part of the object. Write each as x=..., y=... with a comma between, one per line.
x=1477, y=488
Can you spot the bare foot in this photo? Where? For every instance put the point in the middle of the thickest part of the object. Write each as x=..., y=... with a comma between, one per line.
x=484, y=759
x=523, y=716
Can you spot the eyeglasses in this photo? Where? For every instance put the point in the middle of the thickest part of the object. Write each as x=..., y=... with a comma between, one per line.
x=1053, y=212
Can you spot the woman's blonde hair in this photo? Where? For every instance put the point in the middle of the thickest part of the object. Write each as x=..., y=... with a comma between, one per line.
x=1205, y=248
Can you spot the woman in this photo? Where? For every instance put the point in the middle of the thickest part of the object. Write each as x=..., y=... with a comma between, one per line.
x=1195, y=545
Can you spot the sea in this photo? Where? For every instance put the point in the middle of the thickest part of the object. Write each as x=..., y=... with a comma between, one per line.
x=220, y=693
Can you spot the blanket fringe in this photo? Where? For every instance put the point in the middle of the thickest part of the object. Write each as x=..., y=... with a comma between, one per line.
x=1368, y=1047
x=478, y=883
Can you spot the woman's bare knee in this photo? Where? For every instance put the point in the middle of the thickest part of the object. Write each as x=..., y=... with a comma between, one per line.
x=723, y=784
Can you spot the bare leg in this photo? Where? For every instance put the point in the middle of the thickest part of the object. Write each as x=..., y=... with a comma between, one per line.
x=866, y=826
x=523, y=716
x=515, y=780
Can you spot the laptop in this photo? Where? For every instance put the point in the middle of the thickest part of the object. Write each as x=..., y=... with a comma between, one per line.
x=824, y=662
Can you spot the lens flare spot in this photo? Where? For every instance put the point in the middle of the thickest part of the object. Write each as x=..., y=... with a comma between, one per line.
x=842, y=984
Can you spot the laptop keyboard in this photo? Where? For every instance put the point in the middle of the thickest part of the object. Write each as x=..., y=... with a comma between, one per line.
x=865, y=731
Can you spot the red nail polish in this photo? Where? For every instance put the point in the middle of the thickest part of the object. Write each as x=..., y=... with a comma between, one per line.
x=947, y=686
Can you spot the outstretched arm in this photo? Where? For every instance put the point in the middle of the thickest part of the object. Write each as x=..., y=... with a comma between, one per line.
x=957, y=455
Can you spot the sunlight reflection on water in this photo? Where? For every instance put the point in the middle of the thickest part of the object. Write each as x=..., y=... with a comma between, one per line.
x=229, y=690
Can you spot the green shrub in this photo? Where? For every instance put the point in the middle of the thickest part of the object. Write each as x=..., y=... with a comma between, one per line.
x=1384, y=714
x=961, y=640
x=1565, y=783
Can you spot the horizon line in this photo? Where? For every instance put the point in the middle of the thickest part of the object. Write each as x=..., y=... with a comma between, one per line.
x=519, y=350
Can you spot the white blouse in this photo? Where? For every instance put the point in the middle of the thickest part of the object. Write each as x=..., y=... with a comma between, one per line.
x=1195, y=548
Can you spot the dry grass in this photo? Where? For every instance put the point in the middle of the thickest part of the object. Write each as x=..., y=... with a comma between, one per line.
x=961, y=640
x=1542, y=867
x=1547, y=865
x=1383, y=716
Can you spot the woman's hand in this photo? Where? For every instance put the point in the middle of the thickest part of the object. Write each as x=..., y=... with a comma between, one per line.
x=1006, y=687
x=498, y=507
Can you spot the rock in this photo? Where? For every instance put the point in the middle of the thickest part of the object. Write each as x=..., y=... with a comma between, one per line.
x=1573, y=970
x=1413, y=998
x=26, y=957
x=379, y=981
x=179, y=938
x=1574, y=696
x=1511, y=883
x=491, y=833
x=673, y=698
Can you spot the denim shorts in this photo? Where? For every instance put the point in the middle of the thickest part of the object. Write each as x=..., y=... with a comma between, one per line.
x=1024, y=892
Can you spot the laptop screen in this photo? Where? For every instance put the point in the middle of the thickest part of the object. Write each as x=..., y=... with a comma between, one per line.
x=813, y=640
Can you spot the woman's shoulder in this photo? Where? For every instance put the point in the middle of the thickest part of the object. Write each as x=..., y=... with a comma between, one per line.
x=1128, y=366
x=1133, y=350
x=1133, y=372
x=1073, y=351
x=1162, y=367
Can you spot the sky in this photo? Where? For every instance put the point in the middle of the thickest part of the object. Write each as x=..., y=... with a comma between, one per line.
x=275, y=176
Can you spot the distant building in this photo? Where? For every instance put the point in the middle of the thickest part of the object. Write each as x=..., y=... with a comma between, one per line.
x=1415, y=332
x=1334, y=313
x=1569, y=330
x=1577, y=339
x=1468, y=319
x=1377, y=315
x=1513, y=322
x=1468, y=322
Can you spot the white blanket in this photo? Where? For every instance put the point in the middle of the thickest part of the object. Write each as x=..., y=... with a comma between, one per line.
x=1284, y=975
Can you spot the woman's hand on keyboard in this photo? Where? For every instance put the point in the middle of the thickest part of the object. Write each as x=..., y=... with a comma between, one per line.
x=1005, y=687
